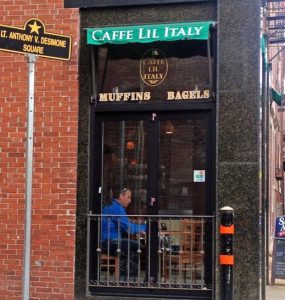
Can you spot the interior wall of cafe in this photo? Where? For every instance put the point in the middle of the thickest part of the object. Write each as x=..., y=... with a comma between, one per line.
x=237, y=131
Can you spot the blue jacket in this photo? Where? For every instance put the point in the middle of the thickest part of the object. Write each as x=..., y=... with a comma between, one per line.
x=116, y=227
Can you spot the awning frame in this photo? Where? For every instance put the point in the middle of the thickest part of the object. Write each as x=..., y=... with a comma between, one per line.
x=117, y=3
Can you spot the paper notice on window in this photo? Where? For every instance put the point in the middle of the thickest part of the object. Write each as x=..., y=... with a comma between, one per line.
x=199, y=176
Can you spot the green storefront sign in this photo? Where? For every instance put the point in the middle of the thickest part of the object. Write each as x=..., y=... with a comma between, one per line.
x=149, y=33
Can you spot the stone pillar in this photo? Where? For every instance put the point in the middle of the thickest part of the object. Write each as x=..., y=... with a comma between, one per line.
x=238, y=142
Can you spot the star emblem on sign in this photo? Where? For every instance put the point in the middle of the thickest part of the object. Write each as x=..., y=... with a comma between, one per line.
x=35, y=28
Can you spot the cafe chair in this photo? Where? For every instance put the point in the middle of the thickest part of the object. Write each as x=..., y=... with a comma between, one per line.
x=186, y=259
x=110, y=264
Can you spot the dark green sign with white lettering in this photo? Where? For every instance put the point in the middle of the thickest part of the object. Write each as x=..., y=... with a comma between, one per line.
x=33, y=39
x=149, y=33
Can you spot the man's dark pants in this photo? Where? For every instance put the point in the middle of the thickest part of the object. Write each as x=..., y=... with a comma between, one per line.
x=128, y=256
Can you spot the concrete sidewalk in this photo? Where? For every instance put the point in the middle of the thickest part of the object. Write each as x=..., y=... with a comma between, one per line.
x=276, y=292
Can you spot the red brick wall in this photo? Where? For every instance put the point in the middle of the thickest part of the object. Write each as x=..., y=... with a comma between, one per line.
x=55, y=158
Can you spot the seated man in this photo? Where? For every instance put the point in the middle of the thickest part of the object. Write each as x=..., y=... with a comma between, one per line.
x=116, y=231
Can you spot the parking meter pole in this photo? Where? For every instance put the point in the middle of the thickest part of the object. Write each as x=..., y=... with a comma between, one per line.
x=226, y=253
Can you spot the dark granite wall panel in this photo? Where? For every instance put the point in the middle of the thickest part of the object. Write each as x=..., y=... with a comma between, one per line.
x=238, y=81
x=237, y=135
x=83, y=167
x=238, y=121
x=151, y=14
x=236, y=187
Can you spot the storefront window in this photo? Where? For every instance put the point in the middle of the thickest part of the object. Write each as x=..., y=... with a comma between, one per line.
x=154, y=72
x=152, y=226
x=125, y=161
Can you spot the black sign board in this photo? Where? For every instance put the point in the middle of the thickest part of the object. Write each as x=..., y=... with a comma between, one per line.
x=278, y=260
x=106, y=3
x=33, y=39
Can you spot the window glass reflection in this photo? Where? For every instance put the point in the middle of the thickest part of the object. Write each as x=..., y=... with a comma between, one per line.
x=124, y=161
x=182, y=150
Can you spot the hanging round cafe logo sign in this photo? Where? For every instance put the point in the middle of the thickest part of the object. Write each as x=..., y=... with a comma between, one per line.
x=153, y=67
